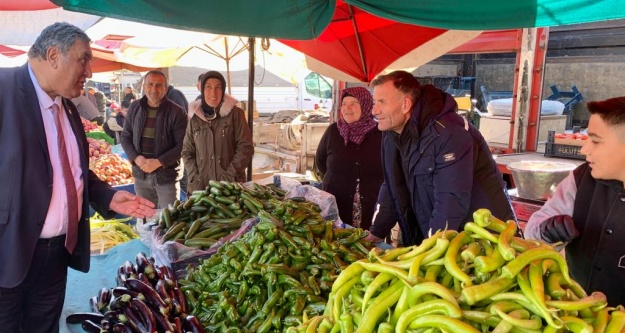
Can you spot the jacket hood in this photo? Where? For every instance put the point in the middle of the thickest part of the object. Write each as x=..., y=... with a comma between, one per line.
x=431, y=105
x=224, y=110
x=212, y=75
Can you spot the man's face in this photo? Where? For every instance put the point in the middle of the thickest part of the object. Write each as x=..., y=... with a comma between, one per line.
x=155, y=88
x=605, y=149
x=71, y=70
x=213, y=92
x=391, y=107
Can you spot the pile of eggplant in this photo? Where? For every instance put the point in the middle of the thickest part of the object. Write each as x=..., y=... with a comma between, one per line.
x=147, y=299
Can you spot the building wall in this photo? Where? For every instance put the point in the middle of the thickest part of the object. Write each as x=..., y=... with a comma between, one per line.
x=597, y=78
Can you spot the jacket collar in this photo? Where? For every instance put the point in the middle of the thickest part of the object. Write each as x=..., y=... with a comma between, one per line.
x=227, y=106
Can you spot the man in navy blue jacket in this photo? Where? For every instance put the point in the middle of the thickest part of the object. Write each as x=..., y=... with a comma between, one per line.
x=437, y=167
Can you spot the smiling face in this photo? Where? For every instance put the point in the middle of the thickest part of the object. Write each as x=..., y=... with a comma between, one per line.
x=350, y=109
x=213, y=92
x=605, y=149
x=69, y=71
x=155, y=88
x=391, y=107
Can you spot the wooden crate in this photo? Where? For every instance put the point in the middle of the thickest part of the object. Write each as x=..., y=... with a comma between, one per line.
x=266, y=133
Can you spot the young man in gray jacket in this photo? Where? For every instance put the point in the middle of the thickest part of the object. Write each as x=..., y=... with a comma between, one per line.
x=587, y=211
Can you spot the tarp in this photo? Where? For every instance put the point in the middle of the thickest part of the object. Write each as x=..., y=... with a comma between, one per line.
x=294, y=19
x=22, y=21
x=357, y=46
x=493, y=14
x=306, y=19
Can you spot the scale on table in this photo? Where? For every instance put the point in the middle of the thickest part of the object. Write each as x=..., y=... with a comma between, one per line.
x=524, y=208
x=535, y=182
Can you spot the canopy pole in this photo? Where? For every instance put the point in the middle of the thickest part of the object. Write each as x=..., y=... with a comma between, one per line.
x=250, y=96
x=228, y=67
x=362, y=56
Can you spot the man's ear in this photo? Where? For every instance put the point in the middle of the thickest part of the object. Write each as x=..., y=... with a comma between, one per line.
x=406, y=105
x=52, y=56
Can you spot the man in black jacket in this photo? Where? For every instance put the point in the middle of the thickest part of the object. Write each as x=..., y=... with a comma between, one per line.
x=177, y=97
x=152, y=139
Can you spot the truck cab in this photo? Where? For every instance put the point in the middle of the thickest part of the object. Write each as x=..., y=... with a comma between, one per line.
x=314, y=92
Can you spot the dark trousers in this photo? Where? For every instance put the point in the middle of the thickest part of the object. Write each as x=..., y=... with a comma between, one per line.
x=35, y=305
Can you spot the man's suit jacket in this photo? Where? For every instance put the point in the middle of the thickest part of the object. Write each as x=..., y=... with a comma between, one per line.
x=26, y=178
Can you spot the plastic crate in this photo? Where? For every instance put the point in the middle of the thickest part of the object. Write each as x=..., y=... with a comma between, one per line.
x=443, y=83
x=562, y=150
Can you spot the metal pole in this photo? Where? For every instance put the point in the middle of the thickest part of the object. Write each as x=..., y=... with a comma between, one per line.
x=360, y=51
x=228, y=66
x=250, y=96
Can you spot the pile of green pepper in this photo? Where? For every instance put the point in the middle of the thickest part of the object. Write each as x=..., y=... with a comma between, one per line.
x=210, y=214
x=482, y=279
x=267, y=279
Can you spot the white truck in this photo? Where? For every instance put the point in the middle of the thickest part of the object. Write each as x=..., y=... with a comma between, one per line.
x=312, y=91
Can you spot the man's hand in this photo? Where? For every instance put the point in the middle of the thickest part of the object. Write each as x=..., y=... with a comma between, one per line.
x=127, y=203
x=559, y=228
x=373, y=238
x=150, y=165
x=140, y=161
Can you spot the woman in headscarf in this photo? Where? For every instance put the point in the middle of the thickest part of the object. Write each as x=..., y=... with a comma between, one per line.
x=218, y=143
x=348, y=157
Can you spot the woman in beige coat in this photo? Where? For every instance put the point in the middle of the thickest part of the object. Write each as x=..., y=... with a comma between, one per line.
x=218, y=143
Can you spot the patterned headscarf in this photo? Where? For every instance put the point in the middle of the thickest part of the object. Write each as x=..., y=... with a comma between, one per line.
x=356, y=131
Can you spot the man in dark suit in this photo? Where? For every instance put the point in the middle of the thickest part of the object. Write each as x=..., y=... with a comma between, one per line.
x=46, y=185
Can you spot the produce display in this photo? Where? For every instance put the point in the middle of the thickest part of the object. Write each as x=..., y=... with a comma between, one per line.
x=146, y=299
x=90, y=126
x=481, y=279
x=267, y=279
x=108, y=233
x=112, y=169
x=215, y=212
x=571, y=136
x=97, y=148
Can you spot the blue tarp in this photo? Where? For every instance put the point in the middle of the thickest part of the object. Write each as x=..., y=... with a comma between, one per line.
x=82, y=286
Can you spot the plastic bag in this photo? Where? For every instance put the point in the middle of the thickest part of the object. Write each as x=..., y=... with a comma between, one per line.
x=284, y=183
x=500, y=107
x=325, y=200
x=181, y=256
x=144, y=227
x=503, y=107
x=551, y=108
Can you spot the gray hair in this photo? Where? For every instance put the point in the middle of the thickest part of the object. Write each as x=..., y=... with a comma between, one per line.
x=155, y=72
x=61, y=35
x=402, y=81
